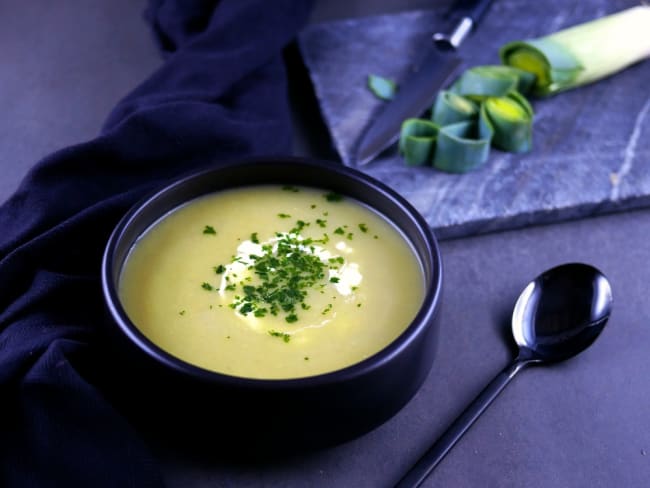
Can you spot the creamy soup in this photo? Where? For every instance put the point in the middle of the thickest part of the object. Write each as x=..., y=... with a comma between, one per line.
x=272, y=282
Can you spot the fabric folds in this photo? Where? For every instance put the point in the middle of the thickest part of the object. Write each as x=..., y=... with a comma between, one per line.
x=220, y=94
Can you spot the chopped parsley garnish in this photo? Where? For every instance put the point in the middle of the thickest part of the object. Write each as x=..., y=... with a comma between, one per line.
x=284, y=216
x=208, y=229
x=300, y=225
x=207, y=286
x=334, y=279
x=321, y=222
x=285, y=337
x=363, y=227
x=254, y=238
x=219, y=269
x=333, y=197
x=339, y=231
x=281, y=276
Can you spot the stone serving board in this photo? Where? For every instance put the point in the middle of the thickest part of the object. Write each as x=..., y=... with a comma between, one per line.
x=591, y=149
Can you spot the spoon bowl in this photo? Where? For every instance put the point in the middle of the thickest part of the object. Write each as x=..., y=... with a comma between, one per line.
x=557, y=315
x=561, y=312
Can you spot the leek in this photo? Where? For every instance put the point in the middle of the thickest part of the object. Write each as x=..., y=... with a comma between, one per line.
x=462, y=147
x=583, y=53
x=417, y=141
x=450, y=108
x=511, y=119
x=457, y=139
x=492, y=81
x=381, y=87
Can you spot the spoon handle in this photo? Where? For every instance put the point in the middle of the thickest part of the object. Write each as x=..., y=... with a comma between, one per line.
x=417, y=474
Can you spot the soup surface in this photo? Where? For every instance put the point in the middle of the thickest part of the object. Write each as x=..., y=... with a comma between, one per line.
x=272, y=282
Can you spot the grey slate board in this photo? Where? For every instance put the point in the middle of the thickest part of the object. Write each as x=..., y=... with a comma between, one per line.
x=591, y=149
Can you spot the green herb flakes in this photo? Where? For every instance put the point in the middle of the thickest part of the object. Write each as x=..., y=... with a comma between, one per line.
x=281, y=276
x=207, y=286
x=339, y=230
x=284, y=216
x=219, y=269
x=254, y=238
x=333, y=197
x=283, y=335
x=182, y=312
x=363, y=227
x=208, y=229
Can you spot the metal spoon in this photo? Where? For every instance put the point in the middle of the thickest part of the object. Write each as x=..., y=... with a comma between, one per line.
x=559, y=314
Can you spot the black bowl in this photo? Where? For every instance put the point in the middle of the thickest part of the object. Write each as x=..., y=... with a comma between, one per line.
x=174, y=396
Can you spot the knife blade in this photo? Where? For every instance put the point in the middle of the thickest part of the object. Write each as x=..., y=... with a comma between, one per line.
x=438, y=68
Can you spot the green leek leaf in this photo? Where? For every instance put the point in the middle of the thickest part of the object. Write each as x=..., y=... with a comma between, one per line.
x=511, y=118
x=583, y=53
x=450, y=107
x=417, y=141
x=492, y=81
x=462, y=146
x=381, y=87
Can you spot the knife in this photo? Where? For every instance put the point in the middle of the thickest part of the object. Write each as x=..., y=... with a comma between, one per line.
x=415, y=95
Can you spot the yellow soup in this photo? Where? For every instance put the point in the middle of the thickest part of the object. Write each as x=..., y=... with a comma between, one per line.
x=272, y=282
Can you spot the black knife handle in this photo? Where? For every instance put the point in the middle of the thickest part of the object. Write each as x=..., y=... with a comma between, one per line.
x=465, y=14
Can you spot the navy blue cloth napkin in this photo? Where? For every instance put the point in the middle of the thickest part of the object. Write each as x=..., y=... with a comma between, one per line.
x=220, y=94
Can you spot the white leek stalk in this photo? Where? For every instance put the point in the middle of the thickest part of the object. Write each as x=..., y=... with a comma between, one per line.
x=584, y=53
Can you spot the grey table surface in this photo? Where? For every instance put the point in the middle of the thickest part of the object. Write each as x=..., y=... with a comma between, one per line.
x=582, y=423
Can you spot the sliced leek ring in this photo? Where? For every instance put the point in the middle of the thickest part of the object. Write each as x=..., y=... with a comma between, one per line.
x=450, y=108
x=417, y=141
x=511, y=118
x=481, y=82
x=462, y=146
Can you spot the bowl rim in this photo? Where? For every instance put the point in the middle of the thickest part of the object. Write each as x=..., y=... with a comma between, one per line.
x=418, y=325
